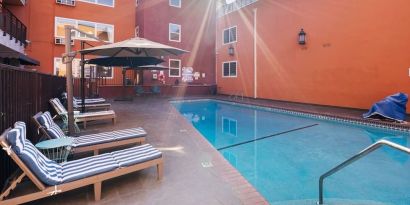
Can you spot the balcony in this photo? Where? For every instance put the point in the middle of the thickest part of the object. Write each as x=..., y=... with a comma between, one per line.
x=234, y=6
x=15, y=2
x=12, y=28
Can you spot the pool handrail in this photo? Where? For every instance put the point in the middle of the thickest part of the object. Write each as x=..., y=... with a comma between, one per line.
x=356, y=157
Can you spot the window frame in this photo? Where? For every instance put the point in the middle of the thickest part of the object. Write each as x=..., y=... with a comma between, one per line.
x=169, y=32
x=176, y=6
x=230, y=76
x=79, y=60
x=172, y=68
x=229, y=29
x=76, y=36
x=95, y=2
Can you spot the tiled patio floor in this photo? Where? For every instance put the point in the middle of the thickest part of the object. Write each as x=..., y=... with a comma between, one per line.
x=185, y=180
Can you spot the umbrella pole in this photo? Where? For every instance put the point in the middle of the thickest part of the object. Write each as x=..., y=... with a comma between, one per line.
x=123, y=83
x=82, y=84
x=69, y=79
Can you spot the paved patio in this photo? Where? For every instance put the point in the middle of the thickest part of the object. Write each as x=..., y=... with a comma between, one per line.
x=185, y=180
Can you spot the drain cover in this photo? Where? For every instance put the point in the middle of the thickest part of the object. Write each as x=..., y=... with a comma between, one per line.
x=207, y=164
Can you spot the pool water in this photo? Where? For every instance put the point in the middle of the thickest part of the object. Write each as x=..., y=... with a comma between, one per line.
x=290, y=153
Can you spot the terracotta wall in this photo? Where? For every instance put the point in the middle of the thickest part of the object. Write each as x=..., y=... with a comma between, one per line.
x=40, y=17
x=357, y=52
x=197, y=20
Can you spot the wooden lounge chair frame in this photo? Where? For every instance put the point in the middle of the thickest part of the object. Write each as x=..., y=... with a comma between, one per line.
x=94, y=148
x=63, y=114
x=46, y=191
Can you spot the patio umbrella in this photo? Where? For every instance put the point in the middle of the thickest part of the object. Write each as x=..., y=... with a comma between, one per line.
x=133, y=47
x=125, y=61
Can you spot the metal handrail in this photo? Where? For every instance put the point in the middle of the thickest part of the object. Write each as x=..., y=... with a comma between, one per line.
x=356, y=157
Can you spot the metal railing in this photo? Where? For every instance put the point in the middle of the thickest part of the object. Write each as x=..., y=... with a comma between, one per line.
x=237, y=96
x=229, y=8
x=356, y=157
x=11, y=25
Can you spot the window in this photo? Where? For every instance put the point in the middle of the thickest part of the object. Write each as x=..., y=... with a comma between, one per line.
x=101, y=2
x=174, y=32
x=175, y=3
x=229, y=126
x=229, y=69
x=174, y=68
x=104, y=32
x=89, y=70
x=230, y=35
x=137, y=31
x=60, y=23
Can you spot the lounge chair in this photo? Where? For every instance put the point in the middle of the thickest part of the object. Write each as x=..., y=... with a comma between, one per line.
x=87, y=100
x=82, y=117
x=92, y=142
x=90, y=106
x=52, y=178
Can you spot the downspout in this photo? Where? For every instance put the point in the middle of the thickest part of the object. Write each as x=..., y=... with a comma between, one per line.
x=255, y=54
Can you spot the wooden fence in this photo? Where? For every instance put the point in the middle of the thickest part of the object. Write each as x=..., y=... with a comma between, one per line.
x=23, y=93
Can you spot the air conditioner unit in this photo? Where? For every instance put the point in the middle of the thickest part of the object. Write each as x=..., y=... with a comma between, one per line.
x=61, y=41
x=66, y=2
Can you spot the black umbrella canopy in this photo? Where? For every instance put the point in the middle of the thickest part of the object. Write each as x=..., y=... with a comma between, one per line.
x=133, y=47
x=125, y=61
x=151, y=67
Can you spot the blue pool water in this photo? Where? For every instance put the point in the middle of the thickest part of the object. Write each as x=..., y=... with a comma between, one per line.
x=285, y=168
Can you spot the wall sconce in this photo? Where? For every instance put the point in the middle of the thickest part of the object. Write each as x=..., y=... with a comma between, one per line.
x=302, y=37
x=231, y=50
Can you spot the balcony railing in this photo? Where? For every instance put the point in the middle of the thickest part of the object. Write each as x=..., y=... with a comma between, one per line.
x=11, y=25
x=238, y=4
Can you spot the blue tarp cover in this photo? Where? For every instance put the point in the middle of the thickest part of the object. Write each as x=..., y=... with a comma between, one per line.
x=392, y=107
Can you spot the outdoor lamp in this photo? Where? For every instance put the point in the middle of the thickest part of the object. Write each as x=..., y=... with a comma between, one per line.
x=302, y=37
x=231, y=51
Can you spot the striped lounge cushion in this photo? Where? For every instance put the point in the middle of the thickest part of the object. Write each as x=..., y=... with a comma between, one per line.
x=129, y=133
x=53, y=130
x=57, y=103
x=135, y=155
x=17, y=136
x=86, y=167
x=95, y=114
x=49, y=172
x=93, y=139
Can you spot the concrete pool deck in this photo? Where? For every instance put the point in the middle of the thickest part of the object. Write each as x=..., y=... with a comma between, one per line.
x=187, y=179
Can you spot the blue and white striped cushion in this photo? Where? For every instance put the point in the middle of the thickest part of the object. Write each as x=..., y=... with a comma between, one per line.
x=46, y=120
x=86, y=167
x=46, y=170
x=53, y=130
x=136, y=155
x=129, y=133
x=93, y=139
x=16, y=137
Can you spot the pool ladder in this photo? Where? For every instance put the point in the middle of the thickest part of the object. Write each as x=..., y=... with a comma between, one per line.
x=356, y=157
x=237, y=95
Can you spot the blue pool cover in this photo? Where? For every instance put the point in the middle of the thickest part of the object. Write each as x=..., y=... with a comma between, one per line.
x=392, y=107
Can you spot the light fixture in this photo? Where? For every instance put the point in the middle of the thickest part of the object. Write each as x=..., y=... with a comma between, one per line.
x=302, y=37
x=231, y=50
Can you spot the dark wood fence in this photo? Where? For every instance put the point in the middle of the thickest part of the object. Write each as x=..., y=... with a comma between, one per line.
x=23, y=93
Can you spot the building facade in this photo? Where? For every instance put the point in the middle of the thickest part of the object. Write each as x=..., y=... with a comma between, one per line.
x=353, y=55
x=13, y=26
x=185, y=24
x=108, y=20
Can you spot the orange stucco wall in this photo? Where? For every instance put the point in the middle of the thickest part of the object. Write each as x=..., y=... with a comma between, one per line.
x=357, y=52
x=39, y=17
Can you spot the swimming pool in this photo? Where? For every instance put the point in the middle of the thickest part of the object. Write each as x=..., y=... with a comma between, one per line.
x=283, y=155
